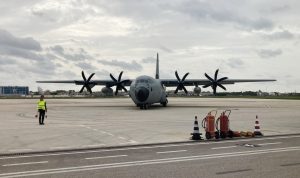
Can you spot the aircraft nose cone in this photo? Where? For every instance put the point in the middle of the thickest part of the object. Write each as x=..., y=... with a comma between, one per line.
x=142, y=94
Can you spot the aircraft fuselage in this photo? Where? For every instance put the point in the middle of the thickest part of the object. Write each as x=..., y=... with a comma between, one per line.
x=146, y=90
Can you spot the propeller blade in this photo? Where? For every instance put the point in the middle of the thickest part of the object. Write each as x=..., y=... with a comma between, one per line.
x=83, y=76
x=215, y=90
x=82, y=89
x=176, y=91
x=216, y=74
x=124, y=88
x=220, y=85
x=176, y=74
x=116, y=92
x=185, y=76
x=90, y=77
x=113, y=78
x=209, y=78
x=120, y=76
x=214, y=83
x=184, y=89
x=221, y=79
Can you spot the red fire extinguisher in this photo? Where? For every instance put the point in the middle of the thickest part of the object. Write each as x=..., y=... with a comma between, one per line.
x=224, y=130
x=208, y=123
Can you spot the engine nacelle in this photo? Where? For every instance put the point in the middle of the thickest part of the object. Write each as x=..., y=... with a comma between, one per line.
x=197, y=90
x=107, y=90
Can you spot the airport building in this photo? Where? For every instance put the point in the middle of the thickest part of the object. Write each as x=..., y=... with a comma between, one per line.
x=14, y=90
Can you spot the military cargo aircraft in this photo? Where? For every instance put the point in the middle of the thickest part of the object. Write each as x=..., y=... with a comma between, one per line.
x=146, y=90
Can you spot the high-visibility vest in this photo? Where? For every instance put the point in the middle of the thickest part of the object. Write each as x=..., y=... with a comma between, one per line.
x=41, y=105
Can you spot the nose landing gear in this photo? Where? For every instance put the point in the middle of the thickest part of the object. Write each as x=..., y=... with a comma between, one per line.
x=144, y=106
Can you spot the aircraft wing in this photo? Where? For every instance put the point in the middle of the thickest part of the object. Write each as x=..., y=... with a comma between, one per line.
x=196, y=82
x=92, y=82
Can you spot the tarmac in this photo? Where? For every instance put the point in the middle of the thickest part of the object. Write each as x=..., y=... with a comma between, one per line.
x=106, y=122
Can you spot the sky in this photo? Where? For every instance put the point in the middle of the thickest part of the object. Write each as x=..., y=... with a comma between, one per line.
x=56, y=40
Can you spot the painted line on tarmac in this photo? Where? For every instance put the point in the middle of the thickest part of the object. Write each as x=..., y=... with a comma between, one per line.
x=20, y=150
x=145, y=162
x=224, y=147
x=60, y=148
x=28, y=163
x=291, y=164
x=96, y=145
x=175, y=151
x=231, y=172
x=274, y=143
x=114, y=156
x=144, y=147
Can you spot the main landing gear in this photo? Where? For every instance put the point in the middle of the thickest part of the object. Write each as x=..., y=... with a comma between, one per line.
x=164, y=103
x=144, y=106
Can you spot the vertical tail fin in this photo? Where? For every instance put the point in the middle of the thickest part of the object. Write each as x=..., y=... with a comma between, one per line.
x=157, y=67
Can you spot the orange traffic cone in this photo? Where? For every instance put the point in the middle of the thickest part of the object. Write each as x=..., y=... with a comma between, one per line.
x=196, y=134
x=257, y=131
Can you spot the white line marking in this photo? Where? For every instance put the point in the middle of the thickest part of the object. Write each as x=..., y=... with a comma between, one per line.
x=215, y=148
x=145, y=162
x=122, y=138
x=109, y=134
x=114, y=156
x=61, y=147
x=132, y=141
x=147, y=147
x=28, y=163
x=176, y=151
x=275, y=143
x=20, y=150
x=95, y=145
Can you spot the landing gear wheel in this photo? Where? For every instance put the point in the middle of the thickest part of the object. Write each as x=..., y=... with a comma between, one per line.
x=230, y=133
x=217, y=135
x=207, y=135
x=144, y=106
x=165, y=103
x=223, y=135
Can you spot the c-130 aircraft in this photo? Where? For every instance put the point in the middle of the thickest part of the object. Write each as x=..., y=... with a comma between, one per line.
x=146, y=90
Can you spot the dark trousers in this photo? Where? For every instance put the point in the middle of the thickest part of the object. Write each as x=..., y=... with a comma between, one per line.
x=41, y=116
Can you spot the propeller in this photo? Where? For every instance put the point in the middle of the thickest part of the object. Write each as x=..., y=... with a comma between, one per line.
x=86, y=83
x=214, y=83
x=118, y=83
x=180, y=85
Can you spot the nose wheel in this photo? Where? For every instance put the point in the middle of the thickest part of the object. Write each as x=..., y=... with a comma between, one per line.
x=144, y=106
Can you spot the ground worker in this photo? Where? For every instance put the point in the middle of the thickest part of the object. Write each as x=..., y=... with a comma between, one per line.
x=42, y=109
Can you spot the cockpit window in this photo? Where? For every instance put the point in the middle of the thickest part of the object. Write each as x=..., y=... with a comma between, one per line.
x=142, y=81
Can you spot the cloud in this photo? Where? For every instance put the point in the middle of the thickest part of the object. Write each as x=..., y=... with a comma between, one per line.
x=149, y=60
x=133, y=66
x=203, y=10
x=85, y=66
x=7, y=61
x=282, y=35
x=71, y=55
x=235, y=63
x=267, y=53
x=10, y=41
x=61, y=12
x=25, y=48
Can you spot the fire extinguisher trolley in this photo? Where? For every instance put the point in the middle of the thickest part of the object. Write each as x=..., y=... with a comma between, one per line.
x=224, y=128
x=208, y=123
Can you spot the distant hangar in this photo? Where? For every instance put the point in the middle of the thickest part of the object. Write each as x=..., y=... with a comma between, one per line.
x=14, y=90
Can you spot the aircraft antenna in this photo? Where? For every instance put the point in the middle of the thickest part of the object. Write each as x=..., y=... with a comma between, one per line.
x=157, y=67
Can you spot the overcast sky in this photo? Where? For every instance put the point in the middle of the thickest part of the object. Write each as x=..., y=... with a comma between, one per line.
x=49, y=40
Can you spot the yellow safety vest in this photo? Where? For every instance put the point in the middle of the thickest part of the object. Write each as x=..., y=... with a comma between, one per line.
x=41, y=105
